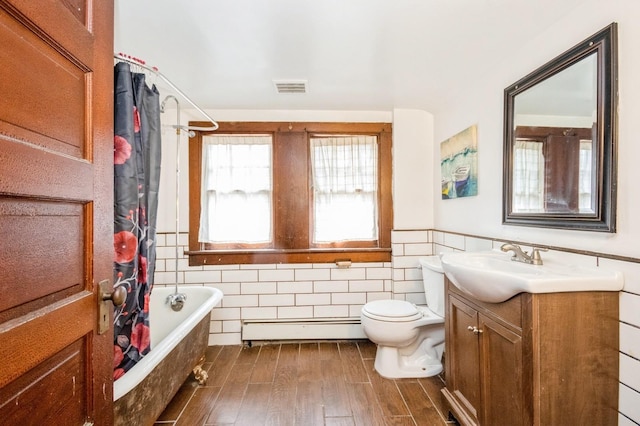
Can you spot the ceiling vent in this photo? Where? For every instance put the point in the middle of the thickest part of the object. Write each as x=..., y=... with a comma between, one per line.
x=291, y=86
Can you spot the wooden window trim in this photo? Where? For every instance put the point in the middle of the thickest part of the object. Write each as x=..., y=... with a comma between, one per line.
x=292, y=237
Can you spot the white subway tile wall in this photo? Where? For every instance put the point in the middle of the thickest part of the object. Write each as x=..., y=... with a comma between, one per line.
x=629, y=398
x=289, y=291
x=312, y=291
x=297, y=291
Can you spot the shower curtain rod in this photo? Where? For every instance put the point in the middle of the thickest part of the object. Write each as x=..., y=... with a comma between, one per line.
x=140, y=63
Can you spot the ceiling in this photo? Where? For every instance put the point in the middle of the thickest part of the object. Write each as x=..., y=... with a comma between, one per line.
x=367, y=55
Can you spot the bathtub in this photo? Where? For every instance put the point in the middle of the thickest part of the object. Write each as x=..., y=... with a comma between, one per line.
x=178, y=343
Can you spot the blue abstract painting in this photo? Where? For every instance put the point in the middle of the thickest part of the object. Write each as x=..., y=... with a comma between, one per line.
x=459, y=164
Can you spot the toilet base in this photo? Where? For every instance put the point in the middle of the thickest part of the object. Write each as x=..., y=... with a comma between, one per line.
x=391, y=363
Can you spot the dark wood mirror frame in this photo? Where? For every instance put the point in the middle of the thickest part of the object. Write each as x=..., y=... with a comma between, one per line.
x=603, y=218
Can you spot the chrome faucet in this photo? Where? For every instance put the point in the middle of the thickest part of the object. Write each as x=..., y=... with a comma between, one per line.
x=522, y=256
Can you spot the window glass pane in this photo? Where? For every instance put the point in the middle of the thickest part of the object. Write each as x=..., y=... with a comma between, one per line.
x=586, y=186
x=345, y=188
x=236, y=189
x=528, y=177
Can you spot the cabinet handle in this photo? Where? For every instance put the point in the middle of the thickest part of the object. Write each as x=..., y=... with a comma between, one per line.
x=470, y=328
x=474, y=330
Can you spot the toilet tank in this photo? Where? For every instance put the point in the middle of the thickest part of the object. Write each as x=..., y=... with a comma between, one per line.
x=433, y=280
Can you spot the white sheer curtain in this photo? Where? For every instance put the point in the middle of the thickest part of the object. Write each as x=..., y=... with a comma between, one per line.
x=236, y=189
x=528, y=177
x=585, y=184
x=345, y=188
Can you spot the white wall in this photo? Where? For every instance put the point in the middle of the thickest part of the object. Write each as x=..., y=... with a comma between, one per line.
x=413, y=165
x=482, y=104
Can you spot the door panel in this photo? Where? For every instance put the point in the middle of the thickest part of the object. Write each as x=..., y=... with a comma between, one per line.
x=23, y=222
x=502, y=372
x=56, y=210
x=53, y=388
x=465, y=371
x=27, y=167
x=62, y=102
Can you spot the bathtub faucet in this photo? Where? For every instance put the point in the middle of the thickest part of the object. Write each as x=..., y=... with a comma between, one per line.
x=522, y=256
x=176, y=300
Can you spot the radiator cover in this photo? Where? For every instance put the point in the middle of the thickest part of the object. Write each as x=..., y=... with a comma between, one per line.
x=302, y=329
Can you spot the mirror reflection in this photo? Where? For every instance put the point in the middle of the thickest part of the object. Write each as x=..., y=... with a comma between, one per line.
x=559, y=140
x=554, y=123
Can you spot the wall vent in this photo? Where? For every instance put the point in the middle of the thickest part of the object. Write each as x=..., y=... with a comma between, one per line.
x=291, y=86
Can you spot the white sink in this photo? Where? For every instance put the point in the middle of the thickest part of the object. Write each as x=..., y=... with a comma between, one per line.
x=491, y=276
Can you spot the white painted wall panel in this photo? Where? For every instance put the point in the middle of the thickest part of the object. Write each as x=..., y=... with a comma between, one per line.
x=413, y=164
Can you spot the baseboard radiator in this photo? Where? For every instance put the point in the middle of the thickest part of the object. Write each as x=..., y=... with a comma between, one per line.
x=302, y=329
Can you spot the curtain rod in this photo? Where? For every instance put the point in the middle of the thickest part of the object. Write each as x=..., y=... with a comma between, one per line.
x=142, y=64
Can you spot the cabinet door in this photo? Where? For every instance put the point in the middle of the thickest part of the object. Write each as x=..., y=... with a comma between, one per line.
x=463, y=376
x=502, y=375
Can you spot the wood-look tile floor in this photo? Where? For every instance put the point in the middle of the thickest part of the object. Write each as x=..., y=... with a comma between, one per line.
x=318, y=383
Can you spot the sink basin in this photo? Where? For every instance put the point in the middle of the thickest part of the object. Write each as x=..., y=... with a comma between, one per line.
x=491, y=276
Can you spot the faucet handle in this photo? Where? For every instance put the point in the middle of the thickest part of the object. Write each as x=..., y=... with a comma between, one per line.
x=536, y=259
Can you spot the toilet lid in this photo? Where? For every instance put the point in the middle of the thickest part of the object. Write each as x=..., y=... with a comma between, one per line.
x=391, y=310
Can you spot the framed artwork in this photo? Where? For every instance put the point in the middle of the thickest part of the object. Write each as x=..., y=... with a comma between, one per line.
x=459, y=164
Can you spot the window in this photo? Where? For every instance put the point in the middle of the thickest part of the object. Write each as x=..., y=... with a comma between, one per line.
x=344, y=172
x=236, y=190
x=290, y=193
x=586, y=203
x=528, y=176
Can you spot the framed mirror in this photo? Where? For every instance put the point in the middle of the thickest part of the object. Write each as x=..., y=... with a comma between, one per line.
x=560, y=140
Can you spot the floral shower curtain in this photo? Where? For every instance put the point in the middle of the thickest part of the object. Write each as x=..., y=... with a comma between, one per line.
x=137, y=156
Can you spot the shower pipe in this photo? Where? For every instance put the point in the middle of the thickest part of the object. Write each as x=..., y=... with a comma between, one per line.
x=176, y=300
x=142, y=64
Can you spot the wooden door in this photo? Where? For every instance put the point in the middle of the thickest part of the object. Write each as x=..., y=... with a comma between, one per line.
x=501, y=352
x=463, y=373
x=56, y=210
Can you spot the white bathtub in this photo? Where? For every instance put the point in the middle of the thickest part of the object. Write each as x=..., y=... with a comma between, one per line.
x=168, y=330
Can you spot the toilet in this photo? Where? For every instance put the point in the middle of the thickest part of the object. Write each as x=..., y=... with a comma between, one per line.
x=410, y=338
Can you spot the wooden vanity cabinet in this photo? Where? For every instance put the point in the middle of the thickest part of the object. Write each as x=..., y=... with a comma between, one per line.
x=535, y=359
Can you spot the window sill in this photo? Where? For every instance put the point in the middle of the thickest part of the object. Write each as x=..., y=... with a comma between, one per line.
x=268, y=256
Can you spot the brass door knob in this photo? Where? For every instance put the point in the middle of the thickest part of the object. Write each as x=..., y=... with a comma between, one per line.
x=117, y=296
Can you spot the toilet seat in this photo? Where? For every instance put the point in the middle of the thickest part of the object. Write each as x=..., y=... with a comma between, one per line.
x=392, y=311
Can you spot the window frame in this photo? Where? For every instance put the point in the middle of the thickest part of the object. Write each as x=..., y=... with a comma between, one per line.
x=236, y=245
x=292, y=239
x=372, y=243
